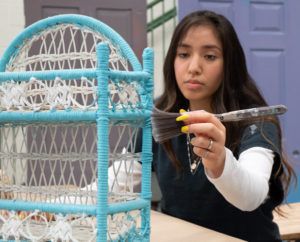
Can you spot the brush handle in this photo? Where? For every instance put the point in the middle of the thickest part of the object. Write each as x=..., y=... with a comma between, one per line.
x=251, y=113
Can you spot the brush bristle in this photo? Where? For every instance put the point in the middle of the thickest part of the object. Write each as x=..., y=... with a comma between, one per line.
x=164, y=125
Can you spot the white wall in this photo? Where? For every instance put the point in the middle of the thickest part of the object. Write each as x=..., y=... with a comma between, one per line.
x=159, y=40
x=12, y=21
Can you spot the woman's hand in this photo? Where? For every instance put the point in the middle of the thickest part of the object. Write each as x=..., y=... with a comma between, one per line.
x=209, y=140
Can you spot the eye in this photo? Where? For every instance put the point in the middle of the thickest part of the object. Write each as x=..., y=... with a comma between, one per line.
x=210, y=57
x=182, y=54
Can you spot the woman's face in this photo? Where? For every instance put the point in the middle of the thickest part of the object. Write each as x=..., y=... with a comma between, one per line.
x=198, y=66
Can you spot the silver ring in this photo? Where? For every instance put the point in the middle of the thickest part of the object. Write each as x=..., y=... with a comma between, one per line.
x=211, y=142
x=206, y=154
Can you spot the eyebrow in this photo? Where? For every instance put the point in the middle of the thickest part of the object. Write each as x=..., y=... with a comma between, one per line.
x=204, y=47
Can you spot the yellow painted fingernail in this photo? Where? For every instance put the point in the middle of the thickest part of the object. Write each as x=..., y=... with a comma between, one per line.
x=184, y=129
x=182, y=117
x=182, y=111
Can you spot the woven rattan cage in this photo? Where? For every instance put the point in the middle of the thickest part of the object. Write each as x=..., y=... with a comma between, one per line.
x=73, y=99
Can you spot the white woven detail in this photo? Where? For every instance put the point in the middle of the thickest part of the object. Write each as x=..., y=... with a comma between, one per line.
x=124, y=94
x=37, y=226
x=11, y=227
x=38, y=95
x=124, y=225
x=65, y=46
x=62, y=229
x=59, y=94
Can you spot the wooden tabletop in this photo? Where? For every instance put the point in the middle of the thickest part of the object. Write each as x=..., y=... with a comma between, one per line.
x=165, y=228
x=289, y=226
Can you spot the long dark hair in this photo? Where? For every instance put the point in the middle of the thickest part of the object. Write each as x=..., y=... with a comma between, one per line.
x=237, y=91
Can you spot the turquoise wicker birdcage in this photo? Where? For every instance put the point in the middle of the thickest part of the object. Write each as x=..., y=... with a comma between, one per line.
x=73, y=96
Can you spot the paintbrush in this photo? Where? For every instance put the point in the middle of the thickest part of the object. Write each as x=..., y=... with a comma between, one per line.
x=165, y=126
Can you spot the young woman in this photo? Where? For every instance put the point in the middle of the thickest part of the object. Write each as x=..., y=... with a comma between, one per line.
x=228, y=177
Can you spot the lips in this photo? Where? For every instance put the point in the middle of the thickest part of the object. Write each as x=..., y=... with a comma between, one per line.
x=194, y=83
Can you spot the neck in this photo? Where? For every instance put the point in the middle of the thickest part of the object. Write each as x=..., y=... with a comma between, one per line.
x=193, y=106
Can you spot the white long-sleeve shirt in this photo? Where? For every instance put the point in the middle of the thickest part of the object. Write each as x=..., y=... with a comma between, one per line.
x=244, y=182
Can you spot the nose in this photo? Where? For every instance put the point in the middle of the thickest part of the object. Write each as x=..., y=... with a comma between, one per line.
x=195, y=65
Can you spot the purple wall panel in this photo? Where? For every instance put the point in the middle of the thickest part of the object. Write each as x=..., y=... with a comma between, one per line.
x=262, y=60
x=122, y=21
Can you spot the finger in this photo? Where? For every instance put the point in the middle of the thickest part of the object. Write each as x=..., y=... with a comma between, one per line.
x=204, y=129
x=203, y=153
x=203, y=142
x=214, y=151
x=200, y=117
x=210, y=144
